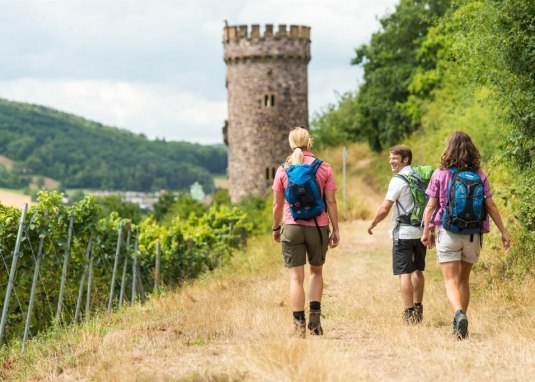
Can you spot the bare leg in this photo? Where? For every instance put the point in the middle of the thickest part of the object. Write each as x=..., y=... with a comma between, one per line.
x=451, y=271
x=406, y=290
x=464, y=284
x=297, y=293
x=418, y=282
x=315, y=286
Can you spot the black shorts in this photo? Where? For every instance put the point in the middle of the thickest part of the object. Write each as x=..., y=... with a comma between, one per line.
x=408, y=255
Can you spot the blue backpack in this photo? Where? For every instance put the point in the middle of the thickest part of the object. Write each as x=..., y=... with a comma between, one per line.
x=465, y=208
x=303, y=192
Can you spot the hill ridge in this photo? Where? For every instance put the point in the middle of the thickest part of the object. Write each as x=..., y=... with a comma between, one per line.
x=85, y=154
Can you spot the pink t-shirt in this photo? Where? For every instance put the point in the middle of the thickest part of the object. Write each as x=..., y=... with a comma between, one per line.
x=325, y=178
x=438, y=188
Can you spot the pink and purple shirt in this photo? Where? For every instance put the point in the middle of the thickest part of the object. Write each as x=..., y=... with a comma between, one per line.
x=438, y=188
x=325, y=178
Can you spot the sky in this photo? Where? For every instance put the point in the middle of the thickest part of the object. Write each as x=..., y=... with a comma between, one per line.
x=156, y=66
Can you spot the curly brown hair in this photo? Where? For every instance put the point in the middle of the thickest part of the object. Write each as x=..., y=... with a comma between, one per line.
x=460, y=152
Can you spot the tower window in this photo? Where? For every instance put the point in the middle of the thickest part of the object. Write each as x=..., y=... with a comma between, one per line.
x=269, y=100
x=270, y=173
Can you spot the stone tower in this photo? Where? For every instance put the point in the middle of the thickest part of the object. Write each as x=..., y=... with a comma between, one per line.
x=267, y=88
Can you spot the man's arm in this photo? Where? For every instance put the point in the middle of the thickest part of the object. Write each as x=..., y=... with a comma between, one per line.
x=382, y=212
x=332, y=211
x=278, y=204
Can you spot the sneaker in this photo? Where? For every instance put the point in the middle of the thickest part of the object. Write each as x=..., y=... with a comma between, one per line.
x=299, y=329
x=460, y=325
x=418, y=313
x=409, y=316
x=314, y=324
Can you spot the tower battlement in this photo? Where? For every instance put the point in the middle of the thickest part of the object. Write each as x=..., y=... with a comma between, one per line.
x=238, y=32
x=244, y=42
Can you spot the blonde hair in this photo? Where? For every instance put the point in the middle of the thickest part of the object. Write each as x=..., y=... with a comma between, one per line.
x=300, y=141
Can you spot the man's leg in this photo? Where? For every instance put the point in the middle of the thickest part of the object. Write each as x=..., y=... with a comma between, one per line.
x=418, y=282
x=407, y=290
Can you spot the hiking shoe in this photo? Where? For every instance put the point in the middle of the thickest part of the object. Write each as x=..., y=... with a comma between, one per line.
x=409, y=316
x=460, y=325
x=299, y=329
x=418, y=313
x=314, y=324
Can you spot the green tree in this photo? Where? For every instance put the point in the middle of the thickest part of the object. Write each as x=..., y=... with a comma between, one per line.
x=390, y=61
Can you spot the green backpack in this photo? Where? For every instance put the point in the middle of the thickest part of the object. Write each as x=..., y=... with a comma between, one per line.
x=418, y=180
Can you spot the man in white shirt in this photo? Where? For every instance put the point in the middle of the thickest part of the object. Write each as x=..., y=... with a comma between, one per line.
x=408, y=253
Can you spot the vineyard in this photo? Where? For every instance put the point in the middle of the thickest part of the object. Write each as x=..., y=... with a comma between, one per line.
x=62, y=264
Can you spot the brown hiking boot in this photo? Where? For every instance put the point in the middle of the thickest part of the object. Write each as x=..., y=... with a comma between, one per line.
x=299, y=329
x=314, y=324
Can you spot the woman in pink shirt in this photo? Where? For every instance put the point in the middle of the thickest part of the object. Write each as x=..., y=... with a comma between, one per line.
x=457, y=252
x=300, y=238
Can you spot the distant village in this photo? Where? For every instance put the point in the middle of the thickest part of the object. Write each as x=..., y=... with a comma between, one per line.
x=146, y=200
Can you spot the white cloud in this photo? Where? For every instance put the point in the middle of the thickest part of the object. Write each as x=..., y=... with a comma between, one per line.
x=148, y=109
x=156, y=66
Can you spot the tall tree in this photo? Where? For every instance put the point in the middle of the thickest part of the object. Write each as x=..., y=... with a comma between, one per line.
x=390, y=61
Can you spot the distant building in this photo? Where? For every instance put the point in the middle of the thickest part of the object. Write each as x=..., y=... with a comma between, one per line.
x=145, y=200
x=267, y=84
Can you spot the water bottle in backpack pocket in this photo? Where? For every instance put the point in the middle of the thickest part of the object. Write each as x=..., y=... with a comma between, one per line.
x=465, y=208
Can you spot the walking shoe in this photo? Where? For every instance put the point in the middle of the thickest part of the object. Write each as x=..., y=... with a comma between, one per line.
x=314, y=324
x=409, y=316
x=460, y=325
x=299, y=329
x=418, y=313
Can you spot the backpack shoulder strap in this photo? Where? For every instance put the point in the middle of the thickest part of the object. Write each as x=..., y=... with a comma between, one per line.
x=315, y=165
x=404, y=177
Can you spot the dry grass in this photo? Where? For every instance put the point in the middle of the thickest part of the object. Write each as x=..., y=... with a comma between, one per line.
x=14, y=199
x=233, y=325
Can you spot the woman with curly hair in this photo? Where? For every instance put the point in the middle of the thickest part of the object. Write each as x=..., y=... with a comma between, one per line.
x=458, y=251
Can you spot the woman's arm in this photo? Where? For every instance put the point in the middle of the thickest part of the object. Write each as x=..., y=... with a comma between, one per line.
x=492, y=209
x=278, y=204
x=427, y=235
x=332, y=210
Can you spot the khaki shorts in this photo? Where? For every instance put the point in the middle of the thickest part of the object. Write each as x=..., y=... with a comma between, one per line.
x=455, y=247
x=300, y=241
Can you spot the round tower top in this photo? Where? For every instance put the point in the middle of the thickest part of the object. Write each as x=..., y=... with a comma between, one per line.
x=241, y=42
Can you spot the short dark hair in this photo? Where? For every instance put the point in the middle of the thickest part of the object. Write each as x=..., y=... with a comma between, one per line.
x=402, y=150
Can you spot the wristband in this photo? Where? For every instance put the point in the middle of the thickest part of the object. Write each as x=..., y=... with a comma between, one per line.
x=275, y=229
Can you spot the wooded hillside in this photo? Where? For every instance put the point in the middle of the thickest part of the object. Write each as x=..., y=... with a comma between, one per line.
x=85, y=154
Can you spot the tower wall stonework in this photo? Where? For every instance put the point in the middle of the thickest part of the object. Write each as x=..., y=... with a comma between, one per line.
x=267, y=86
